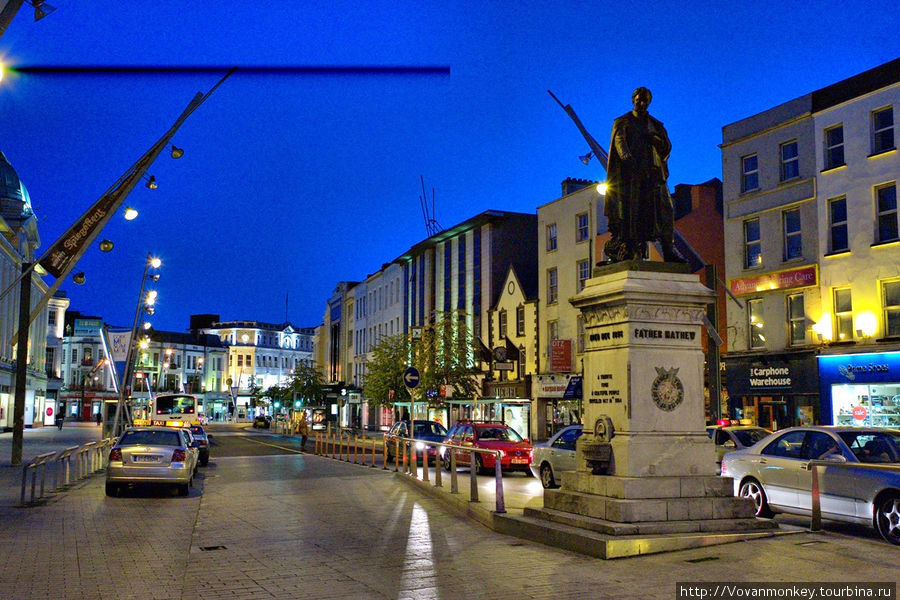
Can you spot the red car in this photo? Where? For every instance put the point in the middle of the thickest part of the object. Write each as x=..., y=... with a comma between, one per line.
x=516, y=452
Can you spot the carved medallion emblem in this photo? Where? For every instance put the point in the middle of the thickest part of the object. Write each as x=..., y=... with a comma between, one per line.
x=667, y=390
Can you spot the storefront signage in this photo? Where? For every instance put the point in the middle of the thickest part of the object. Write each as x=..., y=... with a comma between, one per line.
x=775, y=374
x=860, y=413
x=779, y=280
x=552, y=386
x=506, y=390
x=87, y=327
x=560, y=356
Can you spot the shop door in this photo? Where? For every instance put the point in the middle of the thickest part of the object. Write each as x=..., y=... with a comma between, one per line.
x=774, y=415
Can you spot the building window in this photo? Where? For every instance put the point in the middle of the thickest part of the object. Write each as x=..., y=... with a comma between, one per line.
x=752, y=244
x=834, y=147
x=51, y=317
x=551, y=237
x=796, y=319
x=882, y=130
x=552, y=333
x=890, y=291
x=74, y=356
x=240, y=358
x=502, y=323
x=886, y=201
x=583, y=272
x=843, y=315
x=790, y=161
x=581, y=227
x=552, y=286
x=756, y=325
x=520, y=321
x=837, y=215
x=793, y=246
x=749, y=173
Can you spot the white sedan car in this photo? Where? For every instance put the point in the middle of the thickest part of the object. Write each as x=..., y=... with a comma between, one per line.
x=152, y=455
x=859, y=482
x=555, y=455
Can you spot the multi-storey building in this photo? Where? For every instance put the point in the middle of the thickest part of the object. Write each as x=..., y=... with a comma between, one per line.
x=810, y=192
x=18, y=241
x=87, y=380
x=56, y=315
x=334, y=351
x=460, y=273
x=378, y=312
x=258, y=356
x=567, y=230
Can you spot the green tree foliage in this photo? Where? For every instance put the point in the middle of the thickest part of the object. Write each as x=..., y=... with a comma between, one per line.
x=307, y=385
x=443, y=356
x=390, y=358
x=278, y=393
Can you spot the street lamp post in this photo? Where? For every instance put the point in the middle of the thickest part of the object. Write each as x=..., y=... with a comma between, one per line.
x=154, y=263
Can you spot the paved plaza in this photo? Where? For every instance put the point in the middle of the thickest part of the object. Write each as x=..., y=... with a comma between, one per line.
x=296, y=525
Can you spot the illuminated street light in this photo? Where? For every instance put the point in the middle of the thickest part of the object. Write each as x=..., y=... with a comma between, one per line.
x=151, y=183
x=177, y=152
x=155, y=263
x=78, y=278
x=602, y=187
x=130, y=214
x=106, y=246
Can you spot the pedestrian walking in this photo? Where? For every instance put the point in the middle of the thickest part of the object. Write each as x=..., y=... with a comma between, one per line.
x=303, y=430
x=99, y=417
x=60, y=417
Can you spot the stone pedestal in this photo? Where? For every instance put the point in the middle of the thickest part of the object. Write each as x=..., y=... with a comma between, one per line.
x=643, y=395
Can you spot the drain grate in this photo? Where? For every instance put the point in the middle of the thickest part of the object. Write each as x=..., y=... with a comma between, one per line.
x=811, y=542
x=702, y=559
x=208, y=548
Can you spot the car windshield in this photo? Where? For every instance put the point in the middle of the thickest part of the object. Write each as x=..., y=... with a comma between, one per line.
x=748, y=437
x=873, y=446
x=150, y=438
x=502, y=434
x=429, y=428
x=196, y=430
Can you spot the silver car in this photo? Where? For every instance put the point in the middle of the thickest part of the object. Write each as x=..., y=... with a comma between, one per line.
x=862, y=485
x=555, y=455
x=152, y=455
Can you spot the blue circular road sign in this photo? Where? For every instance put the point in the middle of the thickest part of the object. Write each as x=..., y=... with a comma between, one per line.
x=411, y=377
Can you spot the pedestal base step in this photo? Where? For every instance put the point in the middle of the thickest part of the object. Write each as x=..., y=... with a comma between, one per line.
x=650, y=527
x=585, y=541
x=642, y=510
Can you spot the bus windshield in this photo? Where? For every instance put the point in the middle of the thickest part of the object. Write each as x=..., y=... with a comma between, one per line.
x=175, y=405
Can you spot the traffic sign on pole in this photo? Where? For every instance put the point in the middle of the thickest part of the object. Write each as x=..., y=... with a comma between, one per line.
x=411, y=377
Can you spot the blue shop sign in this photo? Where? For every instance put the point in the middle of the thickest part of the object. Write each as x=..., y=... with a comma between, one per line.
x=883, y=367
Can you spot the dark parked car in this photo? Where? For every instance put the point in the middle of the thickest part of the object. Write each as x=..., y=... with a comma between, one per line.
x=262, y=422
x=431, y=431
x=202, y=440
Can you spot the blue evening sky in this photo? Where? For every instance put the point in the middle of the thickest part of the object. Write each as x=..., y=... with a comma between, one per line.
x=291, y=183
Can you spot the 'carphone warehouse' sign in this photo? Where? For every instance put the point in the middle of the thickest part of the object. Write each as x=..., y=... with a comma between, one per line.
x=781, y=374
x=770, y=377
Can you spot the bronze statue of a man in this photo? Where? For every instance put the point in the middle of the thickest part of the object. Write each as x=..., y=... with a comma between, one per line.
x=638, y=206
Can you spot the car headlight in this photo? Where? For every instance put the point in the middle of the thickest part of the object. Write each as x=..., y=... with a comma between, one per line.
x=420, y=446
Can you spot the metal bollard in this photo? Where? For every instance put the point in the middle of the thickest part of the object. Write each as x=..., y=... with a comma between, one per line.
x=498, y=481
x=355, y=449
x=425, y=463
x=373, y=453
x=815, y=523
x=454, y=482
x=473, y=479
x=405, y=459
x=414, y=467
x=437, y=467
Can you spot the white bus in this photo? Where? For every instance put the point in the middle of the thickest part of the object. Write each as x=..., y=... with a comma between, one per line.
x=173, y=410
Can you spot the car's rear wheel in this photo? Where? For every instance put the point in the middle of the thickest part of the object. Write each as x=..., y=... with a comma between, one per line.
x=183, y=489
x=547, y=479
x=479, y=466
x=751, y=488
x=446, y=460
x=887, y=518
x=112, y=489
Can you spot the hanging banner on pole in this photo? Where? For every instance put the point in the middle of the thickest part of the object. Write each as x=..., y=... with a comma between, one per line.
x=115, y=344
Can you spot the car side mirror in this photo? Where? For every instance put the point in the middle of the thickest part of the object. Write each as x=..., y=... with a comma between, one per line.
x=729, y=444
x=836, y=458
x=527, y=441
